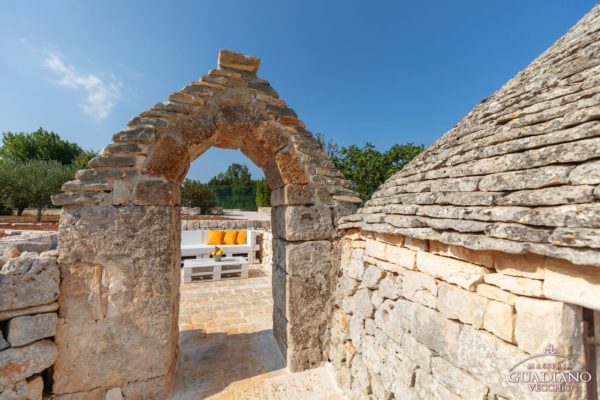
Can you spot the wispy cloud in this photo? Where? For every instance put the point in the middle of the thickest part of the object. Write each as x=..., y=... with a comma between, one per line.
x=100, y=95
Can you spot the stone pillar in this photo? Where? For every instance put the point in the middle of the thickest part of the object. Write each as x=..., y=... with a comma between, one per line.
x=302, y=281
x=118, y=300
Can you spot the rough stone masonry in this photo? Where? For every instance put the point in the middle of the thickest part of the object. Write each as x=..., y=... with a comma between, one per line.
x=120, y=227
x=481, y=253
x=29, y=288
x=485, y=249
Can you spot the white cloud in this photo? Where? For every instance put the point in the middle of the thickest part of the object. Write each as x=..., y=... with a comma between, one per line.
x=100, y=95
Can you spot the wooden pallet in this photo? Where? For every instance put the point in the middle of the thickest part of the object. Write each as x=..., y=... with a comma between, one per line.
x=210, y=270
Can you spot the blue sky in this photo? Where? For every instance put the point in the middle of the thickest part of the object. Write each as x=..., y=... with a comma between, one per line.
x=380, y=71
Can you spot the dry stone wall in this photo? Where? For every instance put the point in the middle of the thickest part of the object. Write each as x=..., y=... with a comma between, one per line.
x=483, y=250
x=29, y=288
x=520, y=173
x=190, y=224
x=120, y=233
x=420, y=319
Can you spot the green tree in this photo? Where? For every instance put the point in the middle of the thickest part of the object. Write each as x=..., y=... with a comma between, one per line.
x=83, y=158
x=38, y=145
x=366, y=167
x=195, y=194
x=237, y=175
x=32, y=182
x=234, y=188
x=263, y=193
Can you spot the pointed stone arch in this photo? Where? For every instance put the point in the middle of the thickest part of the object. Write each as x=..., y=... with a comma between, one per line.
x=120, y=232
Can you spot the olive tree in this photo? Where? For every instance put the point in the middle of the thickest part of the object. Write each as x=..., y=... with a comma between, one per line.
x=32, y=182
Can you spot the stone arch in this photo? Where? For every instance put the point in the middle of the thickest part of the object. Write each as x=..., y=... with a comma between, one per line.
x=120, y=228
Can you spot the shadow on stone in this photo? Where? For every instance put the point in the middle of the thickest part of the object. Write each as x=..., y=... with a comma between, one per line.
x=208, y=363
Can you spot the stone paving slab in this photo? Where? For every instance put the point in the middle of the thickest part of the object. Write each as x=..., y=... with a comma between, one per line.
x=227, y=349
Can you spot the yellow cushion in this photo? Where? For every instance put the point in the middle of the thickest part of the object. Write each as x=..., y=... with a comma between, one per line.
x=241, y=237
x=215, y=237
x=230, y=237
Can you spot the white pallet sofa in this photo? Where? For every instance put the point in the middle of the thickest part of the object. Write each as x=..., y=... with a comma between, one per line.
x=193, y=244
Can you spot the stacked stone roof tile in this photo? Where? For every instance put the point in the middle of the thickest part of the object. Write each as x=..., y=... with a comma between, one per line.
x=520, y=173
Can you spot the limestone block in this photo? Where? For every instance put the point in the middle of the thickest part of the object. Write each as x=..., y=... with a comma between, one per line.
x=312, y=293
x=237, y=61
x=16, y=391
x=94, y=394
x=393, y=318
x=370, y=326
x=578, y=237
x=460, y=304
x=487, y=358
x=155, y=192
x=526, y=265
x=495, y=293
x=500, y=320
x=457, y=380
x=357, y=253
x=158, y=388
x=46, y=308
x=290, y=167
x=28, y=280
x=587, y=173
x=416, y=244
x=372, y=354
x=356, y=269
x=85, y=295
x=3, y=343
x=518, y=232
x=22, y=362
x=371, y=277
x=518, y=285
x=345, y=287
x=420, y=287
x=390, y=287
x=26, y=329
x=114, y=394
x=483, y=258
x=35, y=387
x=397, y=366
x=376, y=299
x=460, y=273
x=303, y=259
x=572, y=284
x=375, y=248
x=401, y=391
x=384, y=265
x=526, y=179
x=378, y=389
x=340, y=323
x=416, y=352
x=435, y=331
x=138, y=249
x=550, y=196
x=394, y=240
x=429, y=388
x=121, y=192
x=295, y=223
x=401, y=256
x=361, y=383
x=292, y=195
x=360, y=304
x=77, y=198
x=543, y=322
x=139, y=134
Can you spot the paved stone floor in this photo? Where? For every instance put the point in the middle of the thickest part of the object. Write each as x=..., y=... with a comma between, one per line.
x=227, y=349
